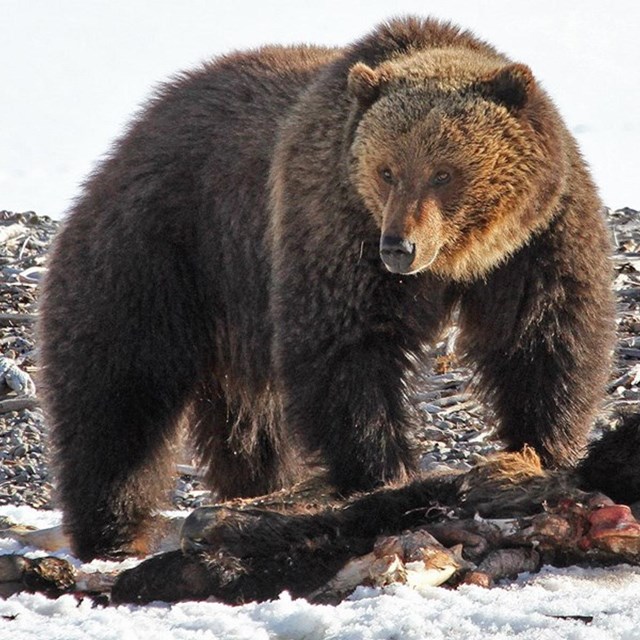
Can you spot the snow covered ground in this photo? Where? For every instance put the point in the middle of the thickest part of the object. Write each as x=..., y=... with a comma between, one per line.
x=71, y=75
x=73, y=72
x=573, y=603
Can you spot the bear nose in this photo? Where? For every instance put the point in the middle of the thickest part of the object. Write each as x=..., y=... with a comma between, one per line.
x=397, y=253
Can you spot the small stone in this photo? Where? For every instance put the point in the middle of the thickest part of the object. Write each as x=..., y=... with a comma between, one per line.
x=434, y=434
x=21, y=478
x=430, y=459
x=429, y=408
x=18, y=451
x=461, y=466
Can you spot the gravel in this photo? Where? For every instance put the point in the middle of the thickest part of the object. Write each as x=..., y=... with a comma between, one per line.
x=457, y=431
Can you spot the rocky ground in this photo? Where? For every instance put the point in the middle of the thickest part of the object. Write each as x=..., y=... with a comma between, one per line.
x=456, y=433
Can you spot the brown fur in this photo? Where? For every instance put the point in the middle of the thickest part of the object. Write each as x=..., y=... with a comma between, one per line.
x=239, y=554
x=223, y=268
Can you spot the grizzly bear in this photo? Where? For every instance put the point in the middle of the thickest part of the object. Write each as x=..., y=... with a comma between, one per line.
x=269, y=250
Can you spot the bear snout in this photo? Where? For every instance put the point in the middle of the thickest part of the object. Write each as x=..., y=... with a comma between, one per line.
x=397, y=253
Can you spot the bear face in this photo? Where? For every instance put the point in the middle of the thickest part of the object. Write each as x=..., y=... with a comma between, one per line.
x=447, y=158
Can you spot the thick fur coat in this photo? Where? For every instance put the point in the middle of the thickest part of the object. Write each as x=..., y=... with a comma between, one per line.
x=269, y=250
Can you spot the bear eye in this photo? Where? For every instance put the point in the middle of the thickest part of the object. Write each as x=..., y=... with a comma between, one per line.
x=440, y=177
x=387, y=175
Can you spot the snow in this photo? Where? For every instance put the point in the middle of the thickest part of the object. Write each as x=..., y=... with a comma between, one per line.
x=543, y=606
x=73, y=72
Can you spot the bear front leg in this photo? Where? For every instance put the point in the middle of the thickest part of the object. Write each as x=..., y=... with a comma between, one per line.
x=344, y=355
x=539, y=331
x=350, y=405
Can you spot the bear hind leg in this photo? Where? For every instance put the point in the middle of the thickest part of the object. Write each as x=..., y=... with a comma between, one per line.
x=242, y=449
x=112, y=474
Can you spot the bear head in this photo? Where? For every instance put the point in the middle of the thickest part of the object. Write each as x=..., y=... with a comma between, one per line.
x=457, y=155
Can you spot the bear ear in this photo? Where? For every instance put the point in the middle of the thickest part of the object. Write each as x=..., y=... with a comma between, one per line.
x=511, y=86
x=364, y=83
